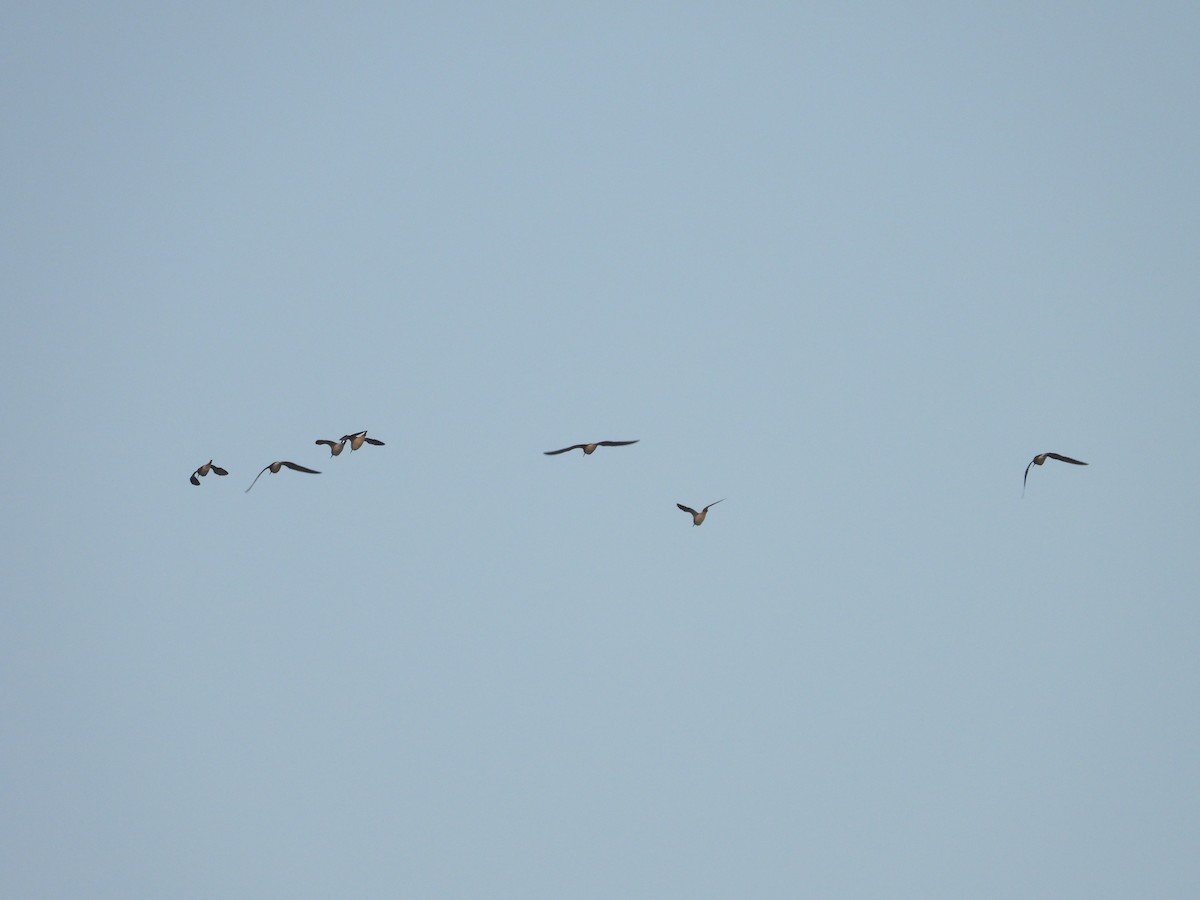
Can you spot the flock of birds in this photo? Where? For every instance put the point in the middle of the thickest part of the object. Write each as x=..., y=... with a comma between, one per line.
x=355, y=440
x=589, y=449
x=358, y=438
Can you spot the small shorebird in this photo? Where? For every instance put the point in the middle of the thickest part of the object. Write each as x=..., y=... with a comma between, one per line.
x=1040, y=460
x=335, y=447
x=698, y=517
x=276, y=466
x=357, y=439
x=589, y=449
x=204, y=470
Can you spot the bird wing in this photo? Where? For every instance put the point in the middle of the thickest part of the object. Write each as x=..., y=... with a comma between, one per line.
x=373, y=441
x=686, y=509
x=219, y=470
x=615, y=443
x=1026, y=478
x=565, y=449
x=329, y=443
x=348, y=437
x=258, y=476
x=194, y=480
x=1066, y=459
x=299, y=468
x=714, y=503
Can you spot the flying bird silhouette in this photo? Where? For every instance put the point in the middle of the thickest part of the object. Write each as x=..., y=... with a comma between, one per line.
x=335, y=447
x=698, y=517
x=1040, y=460
x=589, y=449
x=204, y=470
x=276, y=466
x=357, y=439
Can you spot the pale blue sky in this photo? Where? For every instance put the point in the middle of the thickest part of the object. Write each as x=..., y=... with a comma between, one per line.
x=849, y=267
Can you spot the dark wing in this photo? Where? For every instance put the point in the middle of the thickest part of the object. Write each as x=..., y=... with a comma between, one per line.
x=565, y=449
x=347, y=437
x=686, y=509
x=1026, y=478
x=373, y=441
x=258, y=476
x=194, y=480
x=615, y=443
x=714, y=503
x=219, y=470
x=298, y=468
x=329, y=443
x=1066, y=459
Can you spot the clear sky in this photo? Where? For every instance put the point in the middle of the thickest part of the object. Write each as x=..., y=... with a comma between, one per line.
x=849, y=265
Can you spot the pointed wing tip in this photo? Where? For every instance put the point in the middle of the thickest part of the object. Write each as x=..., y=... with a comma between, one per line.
x=296, y=467
x=1067, y=459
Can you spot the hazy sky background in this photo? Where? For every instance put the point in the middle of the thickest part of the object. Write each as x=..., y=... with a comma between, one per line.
x=850, y=266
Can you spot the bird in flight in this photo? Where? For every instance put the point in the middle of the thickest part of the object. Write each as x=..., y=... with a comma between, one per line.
x=357, y=439
x=698, y=517
x=204, y=470
x=1040, y=460
x=276, y=466
x=589, y=449
x=335, y=447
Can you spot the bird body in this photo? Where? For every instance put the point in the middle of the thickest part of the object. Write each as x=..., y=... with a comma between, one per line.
x=204, y=470
x=358, y=438
x=275, y=467
x=1040, y=460
x=335, y=447
x=589, y=449
x=698, y=517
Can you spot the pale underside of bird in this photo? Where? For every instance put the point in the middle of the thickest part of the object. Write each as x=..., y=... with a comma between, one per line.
x=698, y=517
x=276, y=466
x=204, y=470
x=1040, y=460
x=357, y=439
x=589, y=449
